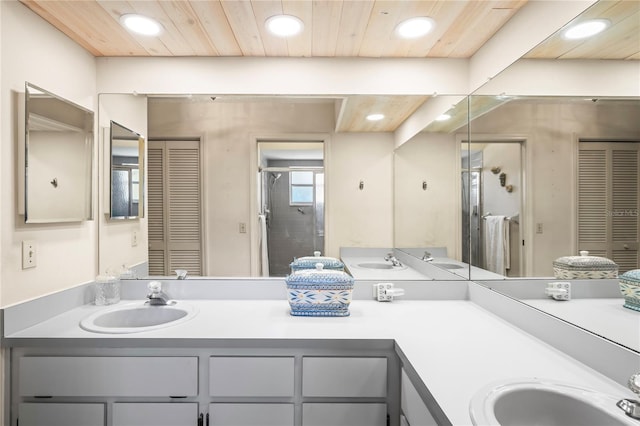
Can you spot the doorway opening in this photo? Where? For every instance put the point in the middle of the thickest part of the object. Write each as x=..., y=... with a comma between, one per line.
x=492, y=188
x=291, y=200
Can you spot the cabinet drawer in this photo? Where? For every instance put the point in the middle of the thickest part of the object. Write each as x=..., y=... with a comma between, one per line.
x=154, y=414
x=321, y=414
x=344, y=377
x=108, y=376
x=251, y=376
x=412, y=405
x=251, y=414
x=36, y=414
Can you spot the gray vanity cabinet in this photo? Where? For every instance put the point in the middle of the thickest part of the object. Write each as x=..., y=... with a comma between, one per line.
x=413, y=408
x=252, y=380
x=247, y=386
x=351, y=378
x=59, y=414
x=154, y=414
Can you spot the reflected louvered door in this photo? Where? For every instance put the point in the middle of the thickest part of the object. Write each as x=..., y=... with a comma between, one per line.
x=177, y=215
x=156, y=203
x=608, y=201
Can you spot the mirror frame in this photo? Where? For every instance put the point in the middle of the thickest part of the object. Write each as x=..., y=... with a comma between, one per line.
x=57, y=121
x=133, y=136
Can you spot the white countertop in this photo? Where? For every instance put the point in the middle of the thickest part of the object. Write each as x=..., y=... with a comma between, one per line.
x=455, y=346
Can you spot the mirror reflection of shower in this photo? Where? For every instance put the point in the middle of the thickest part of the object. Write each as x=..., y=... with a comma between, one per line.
x=291, y=180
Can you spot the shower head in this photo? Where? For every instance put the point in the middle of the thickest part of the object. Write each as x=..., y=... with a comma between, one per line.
x=275, y=177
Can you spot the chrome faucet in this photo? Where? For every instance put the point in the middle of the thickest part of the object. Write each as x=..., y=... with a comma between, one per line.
x=629, y=406
x=391, y=258
x=156, y=296
x=426, y=257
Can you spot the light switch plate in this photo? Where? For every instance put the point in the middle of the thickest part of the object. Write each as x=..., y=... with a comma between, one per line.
x=28, y=254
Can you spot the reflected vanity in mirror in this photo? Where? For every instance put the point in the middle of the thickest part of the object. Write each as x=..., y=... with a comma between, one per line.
x=58, y=159
x=127, y=173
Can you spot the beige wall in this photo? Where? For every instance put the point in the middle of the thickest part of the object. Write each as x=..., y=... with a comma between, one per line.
x=359, y=218
x=115, y=236
x=431, y=217
x=33, y=51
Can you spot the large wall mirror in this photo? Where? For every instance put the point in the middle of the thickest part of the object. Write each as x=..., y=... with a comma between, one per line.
x=58, y=158
x=127, y=173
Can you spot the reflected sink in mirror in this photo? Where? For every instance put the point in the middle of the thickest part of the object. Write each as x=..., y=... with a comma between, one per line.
x=526, y=402
x=448, y=265
x=380, y=265
x=137, y=317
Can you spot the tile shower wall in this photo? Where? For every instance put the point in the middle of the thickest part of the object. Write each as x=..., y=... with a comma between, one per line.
x=290, y=231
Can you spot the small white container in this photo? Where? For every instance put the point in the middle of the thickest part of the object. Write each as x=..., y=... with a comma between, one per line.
x=107, y=290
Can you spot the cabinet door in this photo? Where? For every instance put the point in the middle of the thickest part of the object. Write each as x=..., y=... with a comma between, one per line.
x=36, y=414
x=108, y=376
x=412, y=405
x=251, y=376
x=344, y=377
x=251, y=414
x=155, y=414
x=356, y=414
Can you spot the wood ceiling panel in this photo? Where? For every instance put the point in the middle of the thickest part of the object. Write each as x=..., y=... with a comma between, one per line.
x=382, y=22
x=117, y=8
x=243, y=23
x=357, y=14
x=326, y=21
x=214, y=22
x=188, y=24
x=625, y=23
x=395, y=108
x=263, y=10
x=170, y=37
x=92, y=25
x=300, y=45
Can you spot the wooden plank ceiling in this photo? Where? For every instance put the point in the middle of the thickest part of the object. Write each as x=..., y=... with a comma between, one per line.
x=333, y=28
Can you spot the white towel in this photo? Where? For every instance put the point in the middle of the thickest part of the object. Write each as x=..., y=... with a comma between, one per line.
x=496, y=244
x=264, y=249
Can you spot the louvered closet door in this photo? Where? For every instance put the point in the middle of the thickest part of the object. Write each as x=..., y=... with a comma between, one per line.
x=608, y=201
x=175, y=218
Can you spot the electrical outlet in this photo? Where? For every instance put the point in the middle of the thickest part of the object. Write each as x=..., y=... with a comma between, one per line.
x=538, y=228
x=28, y=254
x=134, y=238
x=242, y=228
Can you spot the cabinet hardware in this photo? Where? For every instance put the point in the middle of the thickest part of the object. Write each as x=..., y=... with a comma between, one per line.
x=207, y=419
x=200, y=420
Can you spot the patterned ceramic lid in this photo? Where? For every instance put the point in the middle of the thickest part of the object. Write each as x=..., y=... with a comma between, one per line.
x=319, y=276
x=585, y=262
x=631, y=276
x=309, y=262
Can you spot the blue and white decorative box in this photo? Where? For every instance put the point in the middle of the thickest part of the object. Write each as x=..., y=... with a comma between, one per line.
x=319, y=292
x=584, y=267
x=630, y=289
x=310, y=262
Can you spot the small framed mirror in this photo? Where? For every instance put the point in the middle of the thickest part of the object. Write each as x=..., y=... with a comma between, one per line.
x=58, y=150
x=127, y=173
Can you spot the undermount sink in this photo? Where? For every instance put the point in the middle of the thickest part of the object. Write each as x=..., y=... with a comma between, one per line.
x=379, y=265
x=539, y=402
x=448, y=265
x=137, y=317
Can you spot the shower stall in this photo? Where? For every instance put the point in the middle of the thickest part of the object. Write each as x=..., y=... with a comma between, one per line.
x=293, y=211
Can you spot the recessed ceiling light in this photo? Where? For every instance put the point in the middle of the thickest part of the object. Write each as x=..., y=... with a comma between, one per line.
x=443, y=117
x=284, y=25
x=415, y=27
x=586, y=29
x=375, y=117
x=141, y=24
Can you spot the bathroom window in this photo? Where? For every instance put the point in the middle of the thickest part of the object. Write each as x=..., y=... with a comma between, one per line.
x=301, y=188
